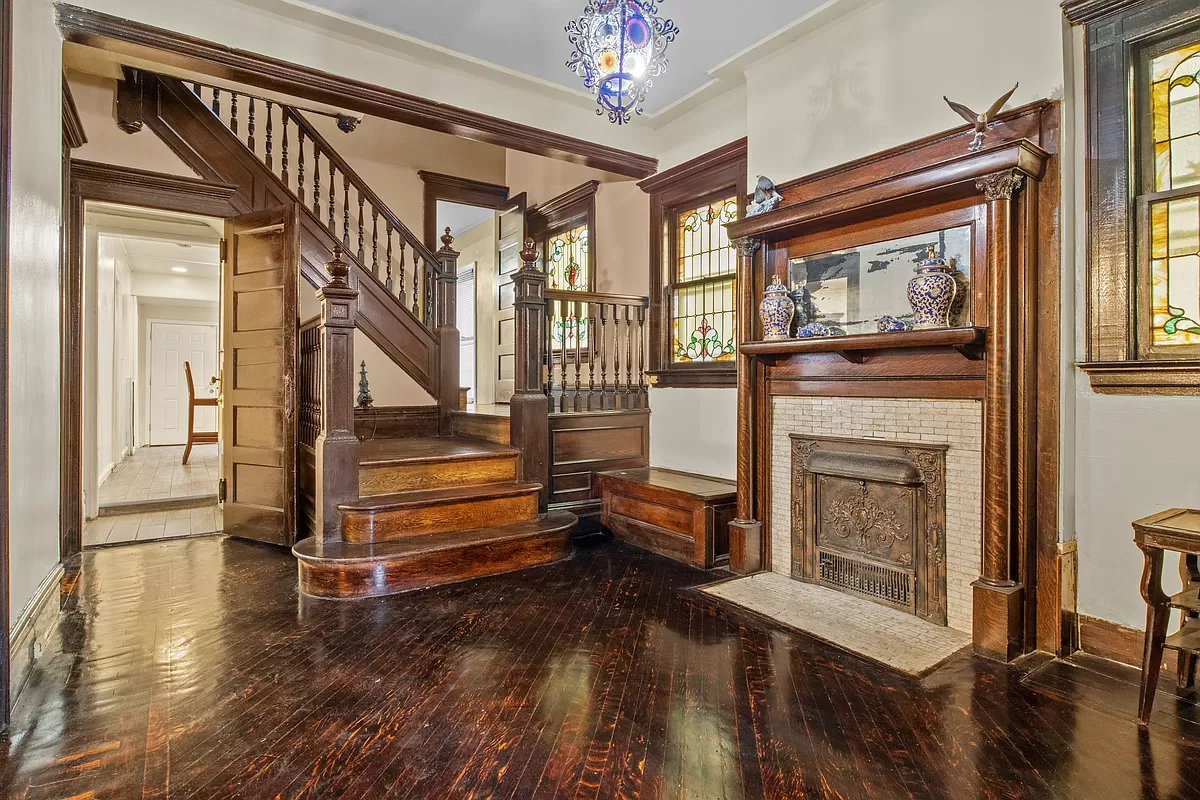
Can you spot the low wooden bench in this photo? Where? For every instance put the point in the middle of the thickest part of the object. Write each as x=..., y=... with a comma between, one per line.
x=676, y=514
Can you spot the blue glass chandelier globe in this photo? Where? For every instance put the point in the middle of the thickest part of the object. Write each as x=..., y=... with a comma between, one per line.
x=620, y=46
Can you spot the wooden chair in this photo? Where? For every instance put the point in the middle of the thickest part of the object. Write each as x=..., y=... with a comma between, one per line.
x=194, y=436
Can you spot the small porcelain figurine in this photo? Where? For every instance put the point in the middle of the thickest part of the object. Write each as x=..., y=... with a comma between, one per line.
x=776, y=311
x=765, y=198
x=802, y=299
x=890, y=324
x=932, y=292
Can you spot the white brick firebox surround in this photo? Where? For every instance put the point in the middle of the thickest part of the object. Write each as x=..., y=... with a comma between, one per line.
x=956, y=423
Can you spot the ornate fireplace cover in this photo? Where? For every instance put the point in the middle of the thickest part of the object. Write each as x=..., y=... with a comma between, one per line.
x=869, y=518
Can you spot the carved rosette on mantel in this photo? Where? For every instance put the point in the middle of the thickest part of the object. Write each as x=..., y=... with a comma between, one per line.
x=1008, y=193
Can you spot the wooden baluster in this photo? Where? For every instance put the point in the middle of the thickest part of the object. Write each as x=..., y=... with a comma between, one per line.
x=346, y=211
x=216, y=102
x=233, y=112
x=417, y=272
x=400, y=283
x=591, y=332
x=270, y=125
x=374, y=241
x=643, y=390
x=283, y=152
x=300, y=162
x=388, y=228
x=196, y=89
x=361, y=241
x=603, y=356
x=564, y=326
x=547, y=360
x=332, y=191
x=576, y=316
x=250, y=127
x=628, y=355
x=316, y=181
x=616, y=356
x=429, y=279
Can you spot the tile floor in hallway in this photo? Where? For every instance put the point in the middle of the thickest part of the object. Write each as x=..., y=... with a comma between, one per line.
x=153, y=525
x=158, y=473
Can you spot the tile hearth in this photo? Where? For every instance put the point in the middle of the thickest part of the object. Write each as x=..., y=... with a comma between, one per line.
x=890, y=637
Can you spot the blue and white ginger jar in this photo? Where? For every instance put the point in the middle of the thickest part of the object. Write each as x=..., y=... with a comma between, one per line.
x=932, y=292
x=776, y=311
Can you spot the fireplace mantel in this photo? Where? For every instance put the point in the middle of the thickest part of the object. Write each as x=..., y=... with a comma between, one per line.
x=1006, y=355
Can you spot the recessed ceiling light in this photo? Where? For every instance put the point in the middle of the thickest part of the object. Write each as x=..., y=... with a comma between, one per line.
x=178, y=269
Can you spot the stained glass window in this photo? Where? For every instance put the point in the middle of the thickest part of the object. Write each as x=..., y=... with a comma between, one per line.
x=569, y=268
x=704, y=314
x=1174, y=218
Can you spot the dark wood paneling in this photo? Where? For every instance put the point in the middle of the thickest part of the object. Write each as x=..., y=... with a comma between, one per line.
x=1084, y=11
x=588, y=443
x=74, y=135
x=188, y=53
x=1118, y=643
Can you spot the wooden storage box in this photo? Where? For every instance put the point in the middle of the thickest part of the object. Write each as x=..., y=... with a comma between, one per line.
x=682, y=516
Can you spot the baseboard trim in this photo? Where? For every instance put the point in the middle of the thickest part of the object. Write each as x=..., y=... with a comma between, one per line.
x=1100, y=637
x=31, y=631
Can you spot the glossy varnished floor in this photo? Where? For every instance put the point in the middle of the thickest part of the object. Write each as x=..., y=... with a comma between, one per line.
x=191, y=669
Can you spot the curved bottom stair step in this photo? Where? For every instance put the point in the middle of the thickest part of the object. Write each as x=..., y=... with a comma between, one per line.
x=434, y=511
x=347, y=570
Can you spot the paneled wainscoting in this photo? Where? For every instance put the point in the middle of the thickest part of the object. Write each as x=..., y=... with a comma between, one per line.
x=192, y=669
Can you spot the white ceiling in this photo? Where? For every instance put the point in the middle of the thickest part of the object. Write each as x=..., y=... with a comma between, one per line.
x=163, y=257
x=528, y=36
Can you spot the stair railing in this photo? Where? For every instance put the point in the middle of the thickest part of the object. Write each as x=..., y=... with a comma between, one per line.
x=328, y=188
x=595, y=351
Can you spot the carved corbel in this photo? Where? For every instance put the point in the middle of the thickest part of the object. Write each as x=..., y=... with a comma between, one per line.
x=1001, y=186
x=748, y=247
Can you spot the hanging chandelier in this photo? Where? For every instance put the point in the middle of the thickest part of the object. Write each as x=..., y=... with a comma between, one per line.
x=620, y=47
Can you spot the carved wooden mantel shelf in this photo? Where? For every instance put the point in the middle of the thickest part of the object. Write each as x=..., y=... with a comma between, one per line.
x=1004, y=352
x=967, y=341
x=951, y=179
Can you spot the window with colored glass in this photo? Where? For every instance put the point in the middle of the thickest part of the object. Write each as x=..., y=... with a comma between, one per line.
x=1170, y=201
x=568, y=268
x=704, y=288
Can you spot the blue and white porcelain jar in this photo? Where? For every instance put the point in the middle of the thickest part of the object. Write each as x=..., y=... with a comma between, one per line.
x=932, y=292
x=776, y=311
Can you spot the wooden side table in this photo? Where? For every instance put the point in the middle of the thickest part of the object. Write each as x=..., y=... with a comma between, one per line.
x=1176, y=529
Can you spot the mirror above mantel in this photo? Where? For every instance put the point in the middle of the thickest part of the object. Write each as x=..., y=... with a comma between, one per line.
x=852, y=236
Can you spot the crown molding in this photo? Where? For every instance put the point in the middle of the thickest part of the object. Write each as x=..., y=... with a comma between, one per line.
x=733, y=154
x=1084, y=12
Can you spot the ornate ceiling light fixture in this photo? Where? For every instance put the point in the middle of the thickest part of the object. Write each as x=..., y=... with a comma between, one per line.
x=620, y=47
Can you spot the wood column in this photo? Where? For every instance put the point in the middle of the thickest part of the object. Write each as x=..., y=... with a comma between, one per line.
x=998, y=614
x=530, y=408
x=337, y=446
x=449, y=339
x=746, y=542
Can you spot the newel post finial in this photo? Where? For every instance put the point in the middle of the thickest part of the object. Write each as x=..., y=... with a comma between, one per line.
x=529, y=254
x=447, y=240
x=338, y=270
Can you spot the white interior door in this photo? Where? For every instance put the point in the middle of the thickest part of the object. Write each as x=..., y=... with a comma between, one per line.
x=171, y=344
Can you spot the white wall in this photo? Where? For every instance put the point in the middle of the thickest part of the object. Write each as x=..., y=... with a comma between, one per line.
x=196, y=310
x=694, y=430
x=34, y=300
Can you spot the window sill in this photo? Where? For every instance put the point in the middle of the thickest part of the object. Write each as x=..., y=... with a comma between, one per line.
x=724, y=377
x=1166, y=378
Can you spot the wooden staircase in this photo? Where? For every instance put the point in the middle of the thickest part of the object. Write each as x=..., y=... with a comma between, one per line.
x=433, y=511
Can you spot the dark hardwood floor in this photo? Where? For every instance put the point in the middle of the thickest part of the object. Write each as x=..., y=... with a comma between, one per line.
x=191, y=669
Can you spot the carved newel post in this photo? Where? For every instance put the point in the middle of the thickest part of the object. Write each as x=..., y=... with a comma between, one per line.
x=746, y=532
x=449, y=340
x=530, y=408
x=337, y=446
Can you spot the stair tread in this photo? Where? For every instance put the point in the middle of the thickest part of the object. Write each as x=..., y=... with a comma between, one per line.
x=393, y=452
x=430, y=497
x=346, y=551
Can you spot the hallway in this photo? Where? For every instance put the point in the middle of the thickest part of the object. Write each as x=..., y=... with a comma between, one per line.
x=192, y=668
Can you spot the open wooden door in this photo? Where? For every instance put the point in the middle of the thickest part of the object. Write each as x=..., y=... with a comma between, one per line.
x=510, y=240
x=258, y=367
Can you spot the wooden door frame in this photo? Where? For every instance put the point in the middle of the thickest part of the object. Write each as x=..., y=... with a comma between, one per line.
x=452, y=189
x=6, y=47
x=150, y=323
x=105, y=183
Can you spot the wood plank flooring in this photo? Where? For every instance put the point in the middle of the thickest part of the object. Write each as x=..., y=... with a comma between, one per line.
x=191, y=669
